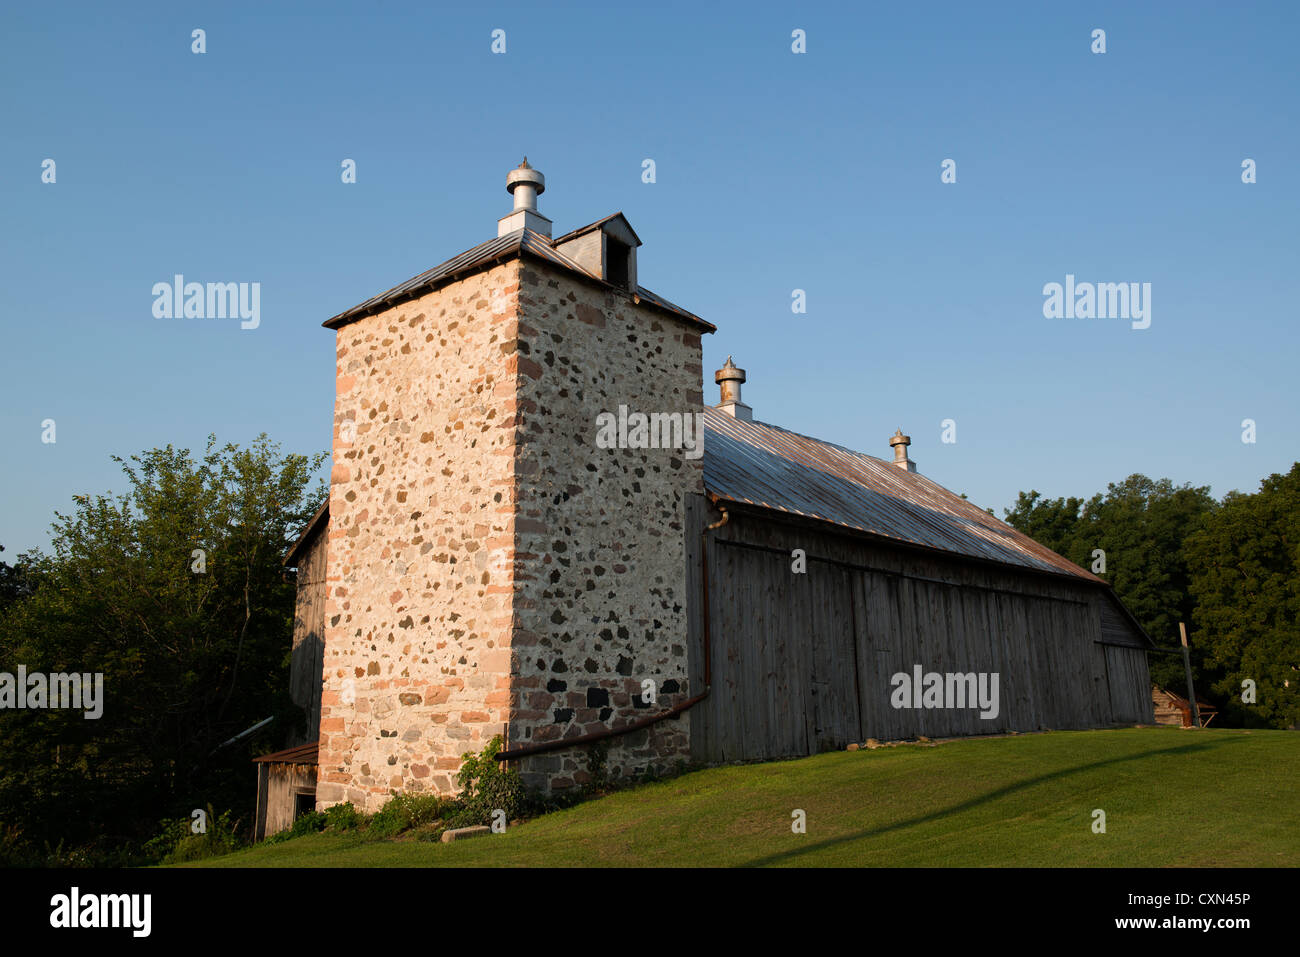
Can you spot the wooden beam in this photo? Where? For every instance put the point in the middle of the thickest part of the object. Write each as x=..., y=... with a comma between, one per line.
x=1187, y=666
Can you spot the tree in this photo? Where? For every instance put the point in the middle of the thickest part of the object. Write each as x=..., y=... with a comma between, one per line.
x=18, y=581
x=1050, y=522
x=1140, y=524
x=176, y=594
x=1246, y=583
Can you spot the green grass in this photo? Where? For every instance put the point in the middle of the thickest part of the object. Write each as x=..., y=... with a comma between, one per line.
x=1171, y=797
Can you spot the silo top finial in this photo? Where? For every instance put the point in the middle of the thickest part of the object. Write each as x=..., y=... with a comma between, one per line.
x=729, y=377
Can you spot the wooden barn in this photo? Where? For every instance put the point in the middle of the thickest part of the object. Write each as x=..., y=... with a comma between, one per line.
x=898, y=575
x=491, y=563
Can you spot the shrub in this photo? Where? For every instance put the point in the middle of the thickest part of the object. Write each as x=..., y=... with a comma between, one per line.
x=13, y=849
x=309, y=822
x=406, y=811
x=176, y=841
x=598, y=767
x=342, y=817
x=486, y=786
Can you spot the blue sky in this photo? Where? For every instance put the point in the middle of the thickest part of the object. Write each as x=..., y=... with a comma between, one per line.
x=775, y=171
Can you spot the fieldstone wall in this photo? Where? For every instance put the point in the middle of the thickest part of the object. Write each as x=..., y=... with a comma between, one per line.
x=490, y=568
x=600, y=564
x=421, y=529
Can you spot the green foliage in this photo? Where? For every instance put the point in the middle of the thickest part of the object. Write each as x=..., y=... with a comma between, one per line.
x=176, y=841
x=21, y=580
x=171, y=831
x=1230, y=570
x=309, y=822
x=487, y=785
x=1246, y=585
x=1217, y=798
x=342, y=817
x=1141, y=525
x=598, y=766
x=404, y=812
x=1050, y=522
x=189, y=659
x=13, y=849
x=16, y=851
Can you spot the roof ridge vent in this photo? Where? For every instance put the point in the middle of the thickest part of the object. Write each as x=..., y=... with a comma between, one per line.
x=729, y=378
x=525, y=184
x=899, y=442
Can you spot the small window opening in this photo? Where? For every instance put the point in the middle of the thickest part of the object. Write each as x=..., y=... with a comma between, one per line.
x=617, y=256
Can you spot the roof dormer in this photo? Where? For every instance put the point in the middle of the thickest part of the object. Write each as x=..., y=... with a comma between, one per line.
x=605, y=248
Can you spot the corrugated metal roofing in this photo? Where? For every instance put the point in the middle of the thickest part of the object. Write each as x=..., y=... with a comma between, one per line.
x=596, y=225
x=302, y=754
x=760, y=464
x=518, y=243
x=500, y=248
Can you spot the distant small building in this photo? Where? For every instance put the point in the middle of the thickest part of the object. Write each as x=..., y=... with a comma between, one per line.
x=286, y=780
x=1173, y=709
x=286, y=787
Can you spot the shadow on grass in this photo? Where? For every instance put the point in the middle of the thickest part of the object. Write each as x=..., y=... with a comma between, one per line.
x=977, y=801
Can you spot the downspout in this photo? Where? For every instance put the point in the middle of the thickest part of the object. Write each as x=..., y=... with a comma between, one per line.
x=563, y=743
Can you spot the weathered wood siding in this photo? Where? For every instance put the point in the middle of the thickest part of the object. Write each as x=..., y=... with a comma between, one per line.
x=309, y=637
x=803, y=662
x=278, y=785
x=1129, y=683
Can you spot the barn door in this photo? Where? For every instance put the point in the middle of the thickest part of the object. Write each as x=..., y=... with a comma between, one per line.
x=784, y=680
x=835, y=718
x=1120, y=681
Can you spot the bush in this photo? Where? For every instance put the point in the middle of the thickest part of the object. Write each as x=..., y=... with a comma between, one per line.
x=342, y=817
x=176, y=842
x=487, y=786
x=406, y=811
x=13, y=849
x=309, y=822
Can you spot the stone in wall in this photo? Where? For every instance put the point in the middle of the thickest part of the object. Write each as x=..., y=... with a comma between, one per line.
x=600, y=600
x=421, y=536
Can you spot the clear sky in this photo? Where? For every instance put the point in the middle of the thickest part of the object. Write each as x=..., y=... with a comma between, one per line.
x=775, y=171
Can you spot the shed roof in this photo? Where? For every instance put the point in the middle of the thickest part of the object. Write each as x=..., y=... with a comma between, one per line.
x=308, y=753
x=521, y=242
x=317, y=521
x=759, y=464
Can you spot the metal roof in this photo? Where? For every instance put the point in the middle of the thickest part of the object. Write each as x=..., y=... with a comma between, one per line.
x=760, y=464
x=597, y=225
x=302, y=754
x=518, y=243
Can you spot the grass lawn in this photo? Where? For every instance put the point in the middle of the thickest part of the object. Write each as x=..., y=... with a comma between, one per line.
x=1172, y=798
